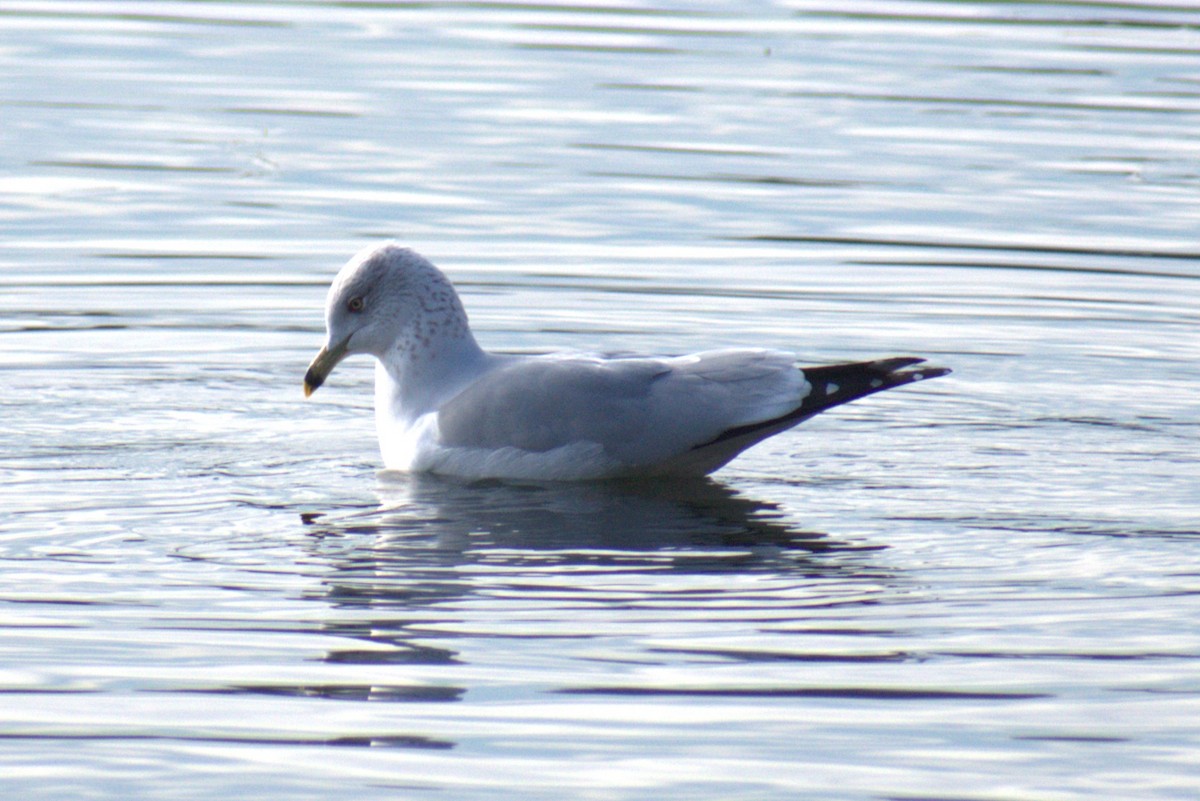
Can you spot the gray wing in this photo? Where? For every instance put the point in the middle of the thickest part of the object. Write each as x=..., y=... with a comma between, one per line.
x=641, y=411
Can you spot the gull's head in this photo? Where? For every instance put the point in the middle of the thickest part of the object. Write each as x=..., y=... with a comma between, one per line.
x=386, y=297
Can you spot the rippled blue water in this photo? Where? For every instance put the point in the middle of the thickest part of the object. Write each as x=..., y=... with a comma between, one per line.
x=981, y=588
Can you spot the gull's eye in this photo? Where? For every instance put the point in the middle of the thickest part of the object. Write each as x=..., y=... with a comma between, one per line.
x=355, y=305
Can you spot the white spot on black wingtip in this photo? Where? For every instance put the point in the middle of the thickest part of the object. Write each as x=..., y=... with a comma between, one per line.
x=876, y=383
x=831, y=388
x=918, y=376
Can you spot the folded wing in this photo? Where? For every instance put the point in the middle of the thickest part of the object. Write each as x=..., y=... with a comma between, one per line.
x=642, y=412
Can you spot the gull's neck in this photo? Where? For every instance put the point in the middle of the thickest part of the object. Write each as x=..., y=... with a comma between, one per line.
x=423, y=369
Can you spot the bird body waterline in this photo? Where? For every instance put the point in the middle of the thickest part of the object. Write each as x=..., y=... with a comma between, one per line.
x=445, y=405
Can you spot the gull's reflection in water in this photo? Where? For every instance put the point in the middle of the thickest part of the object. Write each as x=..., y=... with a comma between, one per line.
x=408, y=575
x=438, y=527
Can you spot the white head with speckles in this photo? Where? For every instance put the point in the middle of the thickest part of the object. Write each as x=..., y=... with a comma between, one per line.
x=387, y=299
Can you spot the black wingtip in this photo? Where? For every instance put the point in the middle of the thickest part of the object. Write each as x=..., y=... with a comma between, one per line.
x=893, y=365
x=884, y=365
x=895, y=369
x=835, y=384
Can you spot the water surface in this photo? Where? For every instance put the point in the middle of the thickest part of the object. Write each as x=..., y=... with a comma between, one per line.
x=984, y=587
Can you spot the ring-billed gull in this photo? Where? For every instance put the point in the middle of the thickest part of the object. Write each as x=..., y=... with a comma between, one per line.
x=443, y=404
